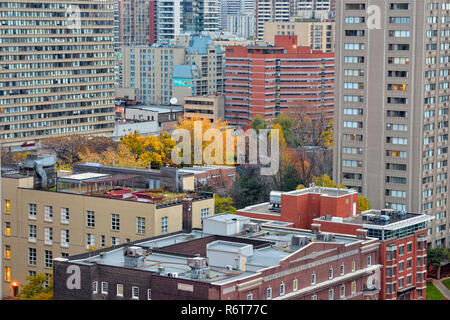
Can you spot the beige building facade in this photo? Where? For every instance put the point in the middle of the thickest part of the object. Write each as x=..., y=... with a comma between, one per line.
x=56, y=69
x=317, y=35
x=211, y=107
x=391, y=117
x=39, y=226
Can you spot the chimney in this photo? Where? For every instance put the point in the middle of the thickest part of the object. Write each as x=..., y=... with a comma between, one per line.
x=187, y=214
x=315, y=227
x=361, y=234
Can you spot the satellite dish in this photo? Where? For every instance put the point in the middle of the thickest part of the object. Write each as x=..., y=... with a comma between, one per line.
x=173, y=100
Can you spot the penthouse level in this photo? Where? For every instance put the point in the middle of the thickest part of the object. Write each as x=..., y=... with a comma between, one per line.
x=232, y=257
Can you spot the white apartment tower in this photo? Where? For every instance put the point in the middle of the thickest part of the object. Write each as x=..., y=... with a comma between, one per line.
x=271, y=11
x=392, y=99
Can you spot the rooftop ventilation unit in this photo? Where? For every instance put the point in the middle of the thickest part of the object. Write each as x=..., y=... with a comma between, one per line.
x=197, y=263
x=252, y=227
x=300, y=241
x=133, y=256
x=275, y=200
x=325, y=237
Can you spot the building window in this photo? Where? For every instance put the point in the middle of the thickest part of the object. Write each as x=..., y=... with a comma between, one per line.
x=269, y=293
x=7, y=206
x=164, y=224
x=419, y=294
x=250, y=296
x=401, y=250
x=295, y=284
x=115, y=241
x=149, y=294
x=353, y=266
x=401, y=266
x=48, y=236
x=90, y=241
x=32, y=256
x=409, y=264
x=8, y=274
x=330, y=273
x=48, y=213
x=408, y=280
x=102, y=241
x=120, y=290
x=400, y=283
x=369, y=260
x=48, y=259
x=94, y=287
x=314, y=297
x=204, y=213
x=342, y=269
x=31, y=273
x=7, y=228
x=353, y=287
x=331, y=294
x=135, y=293
x=32, y=233
x=115, y=222
x=32, y=211
x=282, y=289
x=104, y=287
x=65, y=238
x=342, y=291
x=313, y=278
x=140, y=225
x=409, y=248
x=90, y=219
x=65, y=215
x=7, y=252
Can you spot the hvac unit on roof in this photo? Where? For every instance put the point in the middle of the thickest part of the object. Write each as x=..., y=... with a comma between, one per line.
x=252, y=227
x=299, y=241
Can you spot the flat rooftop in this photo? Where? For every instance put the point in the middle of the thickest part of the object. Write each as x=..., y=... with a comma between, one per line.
x=158, y=108
x=387, y=219
x=270, y=246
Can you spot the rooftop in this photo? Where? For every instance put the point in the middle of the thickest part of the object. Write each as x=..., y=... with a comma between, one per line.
x=170, y=254
x=386, y=219
x=158, y=108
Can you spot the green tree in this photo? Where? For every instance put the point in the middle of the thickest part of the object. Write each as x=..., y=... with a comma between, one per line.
x=249, y=189
x=287, y=125
x=36, y=289
x=222, y=205
x=436, y=257
x=258, y=123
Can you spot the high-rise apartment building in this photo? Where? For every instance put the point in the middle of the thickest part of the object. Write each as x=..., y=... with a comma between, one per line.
x=137, y=22
x=169, y=17
x=268, y=80
x=192, y=66
x=56, y=69
x=271, y=10
x=392, y=96
x=200, y=15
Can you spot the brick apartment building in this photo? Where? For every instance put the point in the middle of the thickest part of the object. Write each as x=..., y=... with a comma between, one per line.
x=233, y=257
x=403, y=249
x=402, y=235
x=267, y=80
x=85, y=211
x=220, y=178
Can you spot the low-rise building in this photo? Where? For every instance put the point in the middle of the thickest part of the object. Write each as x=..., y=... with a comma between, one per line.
x=166, y=116
x=220, y=178
x=232, y=257
x=403, y=248
x=402, y=235
x=210, y=107
x=85, y=211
